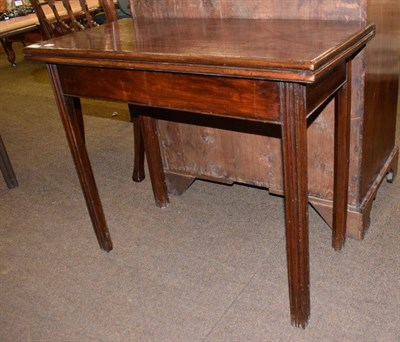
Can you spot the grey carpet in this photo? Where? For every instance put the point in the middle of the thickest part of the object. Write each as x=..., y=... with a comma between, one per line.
x=210, y=267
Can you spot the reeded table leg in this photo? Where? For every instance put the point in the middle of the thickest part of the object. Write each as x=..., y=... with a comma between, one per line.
x=72, y=120
x=294, y=148
x=341, y=164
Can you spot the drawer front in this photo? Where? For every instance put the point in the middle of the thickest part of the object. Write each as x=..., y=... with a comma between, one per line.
x=225, y=96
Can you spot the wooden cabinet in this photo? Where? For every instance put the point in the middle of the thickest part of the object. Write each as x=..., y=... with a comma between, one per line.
x=234, y=151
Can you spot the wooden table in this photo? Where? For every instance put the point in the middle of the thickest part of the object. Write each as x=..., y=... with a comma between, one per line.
x=274, y=72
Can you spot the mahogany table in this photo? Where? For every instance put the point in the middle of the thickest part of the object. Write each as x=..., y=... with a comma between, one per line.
x=274, y=72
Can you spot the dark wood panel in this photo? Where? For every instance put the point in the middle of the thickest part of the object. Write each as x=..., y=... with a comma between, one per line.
x=260, y=9
x=254, y=99
x=381, y=90
x=221, y=149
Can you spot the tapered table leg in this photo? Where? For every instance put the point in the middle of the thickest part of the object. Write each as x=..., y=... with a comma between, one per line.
x=72, y=121
x=294, y=148
x=341, y=163
x=154, y=161
x=77, y=106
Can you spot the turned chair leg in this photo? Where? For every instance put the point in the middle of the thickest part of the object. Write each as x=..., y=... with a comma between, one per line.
x=7, y=46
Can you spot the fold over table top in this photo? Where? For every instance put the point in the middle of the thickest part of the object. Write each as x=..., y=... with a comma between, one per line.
x=289, y=50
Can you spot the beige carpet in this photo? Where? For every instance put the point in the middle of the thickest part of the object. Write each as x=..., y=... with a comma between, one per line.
x=210, y=267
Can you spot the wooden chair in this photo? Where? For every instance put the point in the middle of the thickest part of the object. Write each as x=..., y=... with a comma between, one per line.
x=6, y=168
x=61, y=17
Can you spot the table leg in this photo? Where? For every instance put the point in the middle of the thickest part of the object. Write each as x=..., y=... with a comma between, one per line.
x=341, y=163
x=154, y=161
x=294, y=148
x=7, y=46
x=72, y=121
x=6, y=167
x=138, y=168
x=78, y=110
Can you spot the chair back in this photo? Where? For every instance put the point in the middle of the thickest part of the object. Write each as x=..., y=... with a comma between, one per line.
x=60, y=17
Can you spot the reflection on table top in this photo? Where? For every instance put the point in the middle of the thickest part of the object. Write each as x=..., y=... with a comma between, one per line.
x=301, y=46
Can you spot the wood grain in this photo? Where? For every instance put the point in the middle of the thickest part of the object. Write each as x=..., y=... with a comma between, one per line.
x=254, y=9
x=254, y=99
x=294, y=152
x=381, y=91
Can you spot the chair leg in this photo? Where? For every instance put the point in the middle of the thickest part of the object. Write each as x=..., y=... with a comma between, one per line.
x=138, y=168
x=6, y=167
x=7, y=46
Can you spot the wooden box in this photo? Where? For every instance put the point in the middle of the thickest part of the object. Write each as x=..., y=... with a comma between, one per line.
x=233, y=151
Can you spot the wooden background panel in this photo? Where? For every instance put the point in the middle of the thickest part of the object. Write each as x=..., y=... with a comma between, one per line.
x=289, y=9
x=176, y=8
x=245, y=152
x=382, y=85
x=229, y=151
x=261, y=9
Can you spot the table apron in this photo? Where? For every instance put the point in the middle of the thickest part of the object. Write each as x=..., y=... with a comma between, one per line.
x=249, y=99
x=318, y=92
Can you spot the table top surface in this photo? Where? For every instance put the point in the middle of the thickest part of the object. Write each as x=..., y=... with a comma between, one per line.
x=253, y=46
